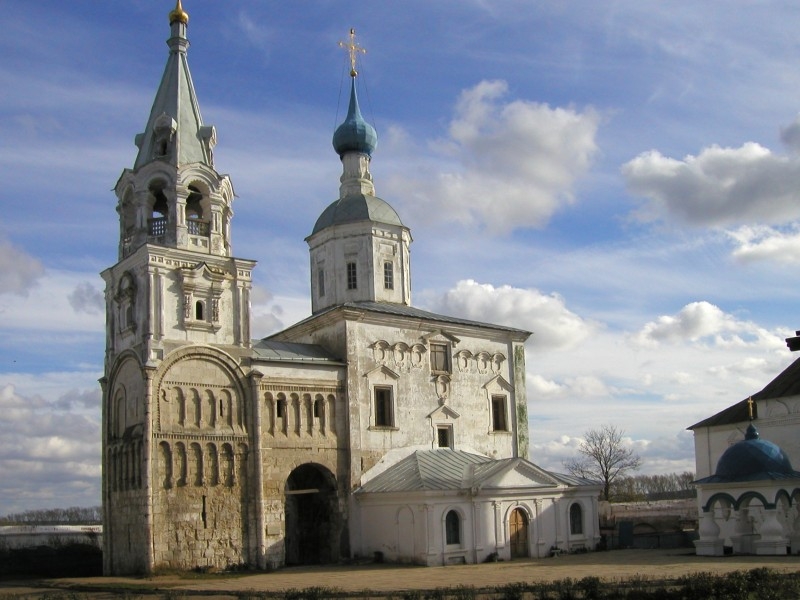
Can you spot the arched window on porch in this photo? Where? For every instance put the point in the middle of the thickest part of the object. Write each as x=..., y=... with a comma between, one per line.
x=452, y=528
x=575, y=519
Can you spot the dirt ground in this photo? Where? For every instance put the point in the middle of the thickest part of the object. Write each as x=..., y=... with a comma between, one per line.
x=384, y=579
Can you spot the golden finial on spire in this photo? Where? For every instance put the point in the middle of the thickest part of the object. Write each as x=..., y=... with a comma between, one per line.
x=750, y=407
x=352, y=48
x=178, y=14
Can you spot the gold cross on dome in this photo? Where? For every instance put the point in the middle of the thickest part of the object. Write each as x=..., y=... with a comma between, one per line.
x=750, y=407
x=352, y=48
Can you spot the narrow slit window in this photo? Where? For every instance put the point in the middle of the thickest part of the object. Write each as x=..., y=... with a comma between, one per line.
x=198, y=310
x=388, y=275
x=384, y=415
x=444, y=437
x=352, y=276
x=575, y=519
x=320, y=282
x=452, y=527
x=499, y=416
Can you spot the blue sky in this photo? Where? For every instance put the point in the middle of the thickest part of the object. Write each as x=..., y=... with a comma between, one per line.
x=621, y=178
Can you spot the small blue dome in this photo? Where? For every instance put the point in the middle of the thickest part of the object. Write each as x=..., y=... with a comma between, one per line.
x=753, y=459
x=354, y=134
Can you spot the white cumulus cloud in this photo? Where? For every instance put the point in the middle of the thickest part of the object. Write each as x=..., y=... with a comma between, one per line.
x=19, y=271
x=512, y=163
x=718, y=187
x=756, y=243
x=707, y=323
x=552, y=323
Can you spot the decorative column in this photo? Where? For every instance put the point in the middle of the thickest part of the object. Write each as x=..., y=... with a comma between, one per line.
x=537, y=508
x=709, y=543
x=430, y=535
x=499, y=541
x=257, y=468
x=773, y=539
x=794, y=529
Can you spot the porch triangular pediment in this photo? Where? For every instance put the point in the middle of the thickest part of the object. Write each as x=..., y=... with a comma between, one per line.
x=514, y=474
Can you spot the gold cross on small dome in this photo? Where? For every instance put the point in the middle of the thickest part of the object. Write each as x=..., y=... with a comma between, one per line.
x=352, y=48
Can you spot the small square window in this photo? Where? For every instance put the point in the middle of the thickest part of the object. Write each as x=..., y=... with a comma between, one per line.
x=388, y=275
x=384, y=415
x=499, y=416
x=352, y=276
x=440, y=358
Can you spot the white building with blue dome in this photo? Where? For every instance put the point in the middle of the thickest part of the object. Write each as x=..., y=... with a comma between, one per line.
x=749, y=502
x=370, y=428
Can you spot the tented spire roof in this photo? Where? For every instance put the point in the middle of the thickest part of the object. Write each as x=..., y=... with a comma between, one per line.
x=175, y=132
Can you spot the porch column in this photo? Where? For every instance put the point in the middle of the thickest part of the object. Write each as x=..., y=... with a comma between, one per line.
x=709, y=543
x=773, y=539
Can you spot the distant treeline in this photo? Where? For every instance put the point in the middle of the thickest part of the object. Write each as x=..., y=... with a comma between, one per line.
x=74, y=515
x=637, y=488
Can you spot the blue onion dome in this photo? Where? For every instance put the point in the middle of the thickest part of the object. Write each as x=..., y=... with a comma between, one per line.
x=354, y=134
x=753, y=459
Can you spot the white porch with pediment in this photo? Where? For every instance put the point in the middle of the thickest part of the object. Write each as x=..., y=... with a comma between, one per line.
x=440, y=507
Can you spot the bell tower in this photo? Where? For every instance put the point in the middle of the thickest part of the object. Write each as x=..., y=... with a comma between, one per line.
x=175, y=278
x=177, y=315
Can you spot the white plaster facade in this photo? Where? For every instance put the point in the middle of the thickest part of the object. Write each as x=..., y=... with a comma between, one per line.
x=219, y=450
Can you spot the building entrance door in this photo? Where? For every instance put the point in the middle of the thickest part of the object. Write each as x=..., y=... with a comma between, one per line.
x=312, y=520
x=518, y=533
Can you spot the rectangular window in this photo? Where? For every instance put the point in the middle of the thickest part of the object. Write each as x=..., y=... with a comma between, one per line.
x=384, y=416
x=499, y=420
x=388, y=275
x=321, y=282
x=444, y=437
x=440, y=358
x=352, y=276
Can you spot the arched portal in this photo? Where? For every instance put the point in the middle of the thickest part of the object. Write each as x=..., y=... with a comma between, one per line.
x=518, y=533
x=313, y=522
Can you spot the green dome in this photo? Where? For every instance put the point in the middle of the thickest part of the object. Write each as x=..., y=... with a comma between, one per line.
x=354, y=208
x=354, y=134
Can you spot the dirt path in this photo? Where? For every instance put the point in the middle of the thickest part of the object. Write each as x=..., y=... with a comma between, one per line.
x=615, y=565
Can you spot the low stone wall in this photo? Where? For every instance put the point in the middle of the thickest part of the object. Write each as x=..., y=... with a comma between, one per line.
x=27, y=536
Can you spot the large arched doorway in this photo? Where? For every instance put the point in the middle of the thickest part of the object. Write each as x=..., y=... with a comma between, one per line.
x=312, y=517
x=518, y=533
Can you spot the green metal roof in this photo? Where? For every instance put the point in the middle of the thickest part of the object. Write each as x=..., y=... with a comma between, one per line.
x=355, y=208
x=177, y=100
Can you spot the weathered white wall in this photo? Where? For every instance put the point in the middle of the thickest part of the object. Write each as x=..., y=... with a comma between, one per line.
x=412, y=530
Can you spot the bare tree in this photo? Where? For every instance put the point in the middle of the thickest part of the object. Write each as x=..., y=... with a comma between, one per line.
x=603, y=457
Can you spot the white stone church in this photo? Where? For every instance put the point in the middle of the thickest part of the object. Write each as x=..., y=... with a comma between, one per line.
x=369, y=429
